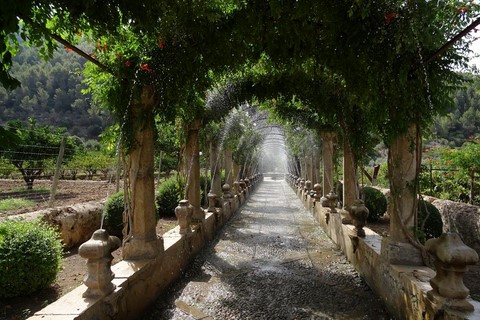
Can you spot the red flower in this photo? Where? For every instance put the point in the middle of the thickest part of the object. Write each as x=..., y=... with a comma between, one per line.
x=69, y=49
x=161, y=43
x=389, y=17
x=145, y=67
x=128, y=63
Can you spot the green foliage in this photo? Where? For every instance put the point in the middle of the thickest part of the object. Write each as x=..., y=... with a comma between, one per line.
x=169, y=194
x=375, y=201
x=7, y=169
x=430, y=223
x=39, y=146
x=91, y=162
x=113, y=215
x=30, y=257
x=52, y=93
x=15, y=203
x=460, y=123
x=450, y=173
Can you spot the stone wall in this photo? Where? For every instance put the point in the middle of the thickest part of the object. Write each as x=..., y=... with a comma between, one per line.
x=76, y=223
x=405, y=290
x=461, y=218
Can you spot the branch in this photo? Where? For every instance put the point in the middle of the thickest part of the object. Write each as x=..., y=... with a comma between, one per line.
x=450, y=43
x=67, y=44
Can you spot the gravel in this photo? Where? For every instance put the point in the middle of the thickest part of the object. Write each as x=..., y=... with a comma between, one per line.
x=271, y=261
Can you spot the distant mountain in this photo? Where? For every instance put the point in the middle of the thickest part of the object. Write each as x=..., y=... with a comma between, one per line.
x=51, y=92
x=462, y=122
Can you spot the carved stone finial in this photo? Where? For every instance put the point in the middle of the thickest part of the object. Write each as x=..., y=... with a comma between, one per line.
x=318, y=191
x=452, y=257
x=359, y=213
x=308, y=185
x=332, y=204
x=98, y=252
x=226, y=192
x=212, y=198
x=184, y=216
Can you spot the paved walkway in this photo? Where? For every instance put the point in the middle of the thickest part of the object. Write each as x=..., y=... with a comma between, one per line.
x=271, y=261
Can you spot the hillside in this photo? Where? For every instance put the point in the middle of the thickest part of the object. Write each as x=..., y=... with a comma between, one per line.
x=51, y=92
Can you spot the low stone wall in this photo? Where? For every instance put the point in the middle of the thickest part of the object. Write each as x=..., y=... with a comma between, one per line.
x=76, y=223
x=405, y=290
x=140, y=282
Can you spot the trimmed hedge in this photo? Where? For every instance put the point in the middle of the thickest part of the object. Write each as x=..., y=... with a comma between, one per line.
x=113, y=219
x=30, y=257
x=433, y=225
x=375, y=201
x=169, y=194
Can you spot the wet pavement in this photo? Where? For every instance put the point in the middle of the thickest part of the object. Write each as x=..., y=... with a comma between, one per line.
x=271, y=261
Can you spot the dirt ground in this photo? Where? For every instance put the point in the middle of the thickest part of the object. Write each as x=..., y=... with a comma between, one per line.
x=74, y=269
x=73, y=266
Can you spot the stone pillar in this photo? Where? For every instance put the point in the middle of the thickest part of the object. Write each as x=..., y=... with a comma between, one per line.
x=350, y=186
x=215, y=166
x=308, y=168
x=402, y=170
x=228, y=167
x=142, y=241
x=193, y=170
x=328, y=138
x=236, y=171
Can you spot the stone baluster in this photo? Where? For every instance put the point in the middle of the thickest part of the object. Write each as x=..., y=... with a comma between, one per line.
x=212, y=198
x=359, y=213
x=236, y=187
x=318, y=191
x=227, y=194
x=243, y=186
x=452, y=257
x=184, y=213
x=98, y=252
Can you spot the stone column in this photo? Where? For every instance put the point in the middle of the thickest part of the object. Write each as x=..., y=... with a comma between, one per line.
x=193, y=170
x=236, y=171
x=350, y=186
x=142, y=241
x=228, y=167
x=309, y=167
x=402, y=170
x=215, y=165
x=327, y=138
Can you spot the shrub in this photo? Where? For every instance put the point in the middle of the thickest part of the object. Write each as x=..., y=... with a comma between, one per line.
x=169, y=194
x=375, y=201
x=30, y=257
x=113, y=219
x=433, y=226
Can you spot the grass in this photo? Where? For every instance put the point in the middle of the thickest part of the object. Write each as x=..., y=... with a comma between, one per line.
x=15, y=203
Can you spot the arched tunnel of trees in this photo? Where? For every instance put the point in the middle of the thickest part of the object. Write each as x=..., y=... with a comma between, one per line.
x=291, y=87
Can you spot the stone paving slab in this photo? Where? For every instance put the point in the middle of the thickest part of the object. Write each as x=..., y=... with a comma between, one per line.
x=271, y=261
